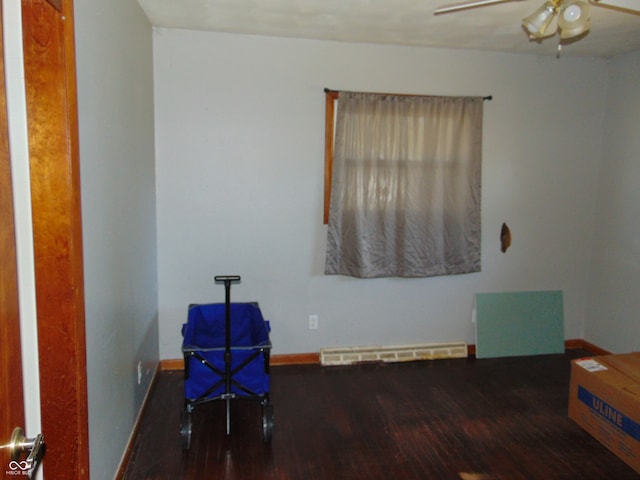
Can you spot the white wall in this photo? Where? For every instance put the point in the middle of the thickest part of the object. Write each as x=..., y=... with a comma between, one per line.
x=115, y=96
x=239, y=163
x=614, y=299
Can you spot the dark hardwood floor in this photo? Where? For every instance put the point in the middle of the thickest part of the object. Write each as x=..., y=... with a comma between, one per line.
x=463, y=419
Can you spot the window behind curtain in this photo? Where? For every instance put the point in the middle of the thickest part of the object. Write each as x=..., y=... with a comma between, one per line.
x=405, y=189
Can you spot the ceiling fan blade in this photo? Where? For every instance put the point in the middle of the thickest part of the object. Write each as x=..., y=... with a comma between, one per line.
x=454, y=7
x=631, y=6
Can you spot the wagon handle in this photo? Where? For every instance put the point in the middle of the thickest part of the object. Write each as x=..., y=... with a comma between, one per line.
x=227, y=280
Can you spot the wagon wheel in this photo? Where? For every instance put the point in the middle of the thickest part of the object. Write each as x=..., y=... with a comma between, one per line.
x=267, y=423
x=185, y=430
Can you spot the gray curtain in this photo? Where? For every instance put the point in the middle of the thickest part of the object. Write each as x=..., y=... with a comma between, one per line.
x=405, y=191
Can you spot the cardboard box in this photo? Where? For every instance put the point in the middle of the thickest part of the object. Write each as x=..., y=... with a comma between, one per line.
x=604, y=399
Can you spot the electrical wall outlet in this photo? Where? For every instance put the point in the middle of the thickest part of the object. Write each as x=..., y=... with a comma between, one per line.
x=313, y=322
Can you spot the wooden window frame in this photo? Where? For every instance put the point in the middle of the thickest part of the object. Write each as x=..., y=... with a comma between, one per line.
x=329, y=128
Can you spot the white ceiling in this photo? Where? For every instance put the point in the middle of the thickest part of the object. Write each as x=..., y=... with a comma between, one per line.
x=401, y=22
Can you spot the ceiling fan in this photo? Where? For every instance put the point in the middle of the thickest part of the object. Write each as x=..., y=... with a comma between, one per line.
x=573, y=16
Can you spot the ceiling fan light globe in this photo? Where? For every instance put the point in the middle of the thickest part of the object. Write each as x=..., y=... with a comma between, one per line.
x=574, y=19
x=538, y=22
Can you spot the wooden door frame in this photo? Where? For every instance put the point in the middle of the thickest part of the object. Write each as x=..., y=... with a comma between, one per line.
x=52, y=119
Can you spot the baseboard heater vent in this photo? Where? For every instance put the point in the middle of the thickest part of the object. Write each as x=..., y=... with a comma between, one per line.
x=392, y=353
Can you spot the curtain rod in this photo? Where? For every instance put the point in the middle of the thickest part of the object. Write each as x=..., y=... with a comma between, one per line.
x=328, y=90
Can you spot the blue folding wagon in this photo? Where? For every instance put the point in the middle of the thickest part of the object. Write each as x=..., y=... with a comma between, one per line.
x=226, y=350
